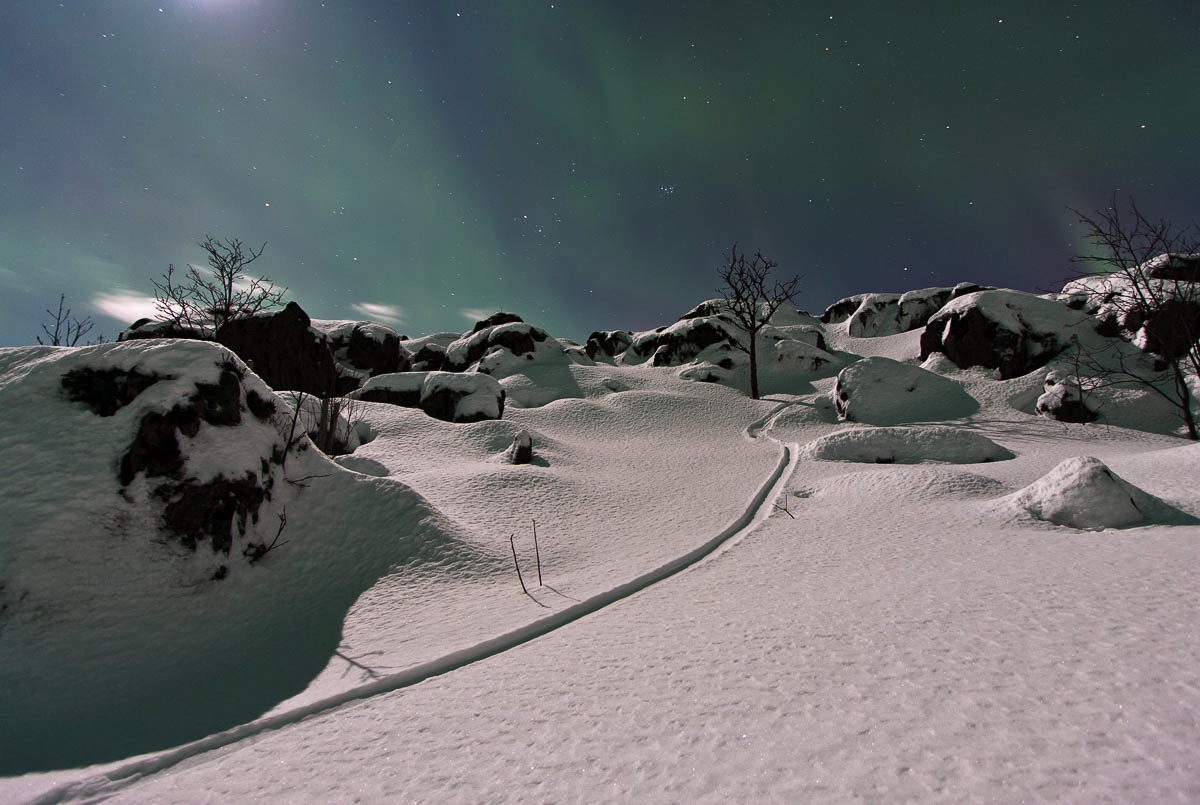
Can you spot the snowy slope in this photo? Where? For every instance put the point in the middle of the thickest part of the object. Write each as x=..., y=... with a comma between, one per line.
x=902, y=632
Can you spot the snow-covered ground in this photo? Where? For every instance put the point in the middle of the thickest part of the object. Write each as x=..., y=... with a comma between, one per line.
x=912, y=630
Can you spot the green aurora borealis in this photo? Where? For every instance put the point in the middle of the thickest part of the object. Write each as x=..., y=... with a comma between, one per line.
x=583, y=164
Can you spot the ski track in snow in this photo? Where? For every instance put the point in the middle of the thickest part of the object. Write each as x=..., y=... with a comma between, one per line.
x=757, y=511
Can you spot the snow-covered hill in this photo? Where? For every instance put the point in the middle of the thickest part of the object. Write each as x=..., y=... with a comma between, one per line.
x=889, y=579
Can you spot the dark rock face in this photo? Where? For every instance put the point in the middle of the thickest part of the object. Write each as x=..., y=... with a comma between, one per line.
x=429, y=358
x=842, y=309
x=516, y=337
x=199, y=513
x=678, y=345
x=152, y=328
x=521, y=450
x=442, y=402
x=496, y=319
x=376, y=356
x=106, y=391
x=1172, y=329
x=608, y=342
x=405, y=398
x=1177, y=267
x=283, y=350
x=969, y=337
x=155, y=449
x=441, y=395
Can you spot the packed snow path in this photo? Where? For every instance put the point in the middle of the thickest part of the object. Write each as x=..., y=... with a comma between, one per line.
x=758, y=510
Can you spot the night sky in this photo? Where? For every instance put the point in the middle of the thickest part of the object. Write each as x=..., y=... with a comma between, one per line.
x=583, y=164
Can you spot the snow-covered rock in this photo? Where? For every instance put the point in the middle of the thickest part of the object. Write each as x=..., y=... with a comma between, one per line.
x=881, y=391
x=449, y=396
x=905, y=446
x=1010, y=331
x=364, y=349
x=1062, y=399
x=141, y=601
x=1156, y=305
x=880, y=314
x=1081, y=492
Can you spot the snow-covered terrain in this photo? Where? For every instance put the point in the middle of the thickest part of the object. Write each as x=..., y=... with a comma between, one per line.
x=947, y=597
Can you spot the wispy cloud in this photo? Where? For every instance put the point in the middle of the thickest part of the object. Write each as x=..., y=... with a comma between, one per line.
x=383, y=314
x=474, y=314
x=125, y=306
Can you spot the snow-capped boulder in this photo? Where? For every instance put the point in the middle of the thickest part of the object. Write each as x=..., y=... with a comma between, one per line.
x=905, y=446
x=516, y=338
x=1156, y=306
x=608, y=343
x=365, y=348
x=842, y=309
x=881, y=391
x=876, y=315
x=1062, y=399
x=155, y=328
x=449, y=396
x=1010, y=331
x=1082, y=492
x=283, y=349
x=159, y=578
x=879, y=314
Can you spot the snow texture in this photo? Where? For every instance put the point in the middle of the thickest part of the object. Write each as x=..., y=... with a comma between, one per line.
x=764, y=622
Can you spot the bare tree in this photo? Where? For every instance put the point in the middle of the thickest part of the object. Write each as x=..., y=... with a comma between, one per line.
x=1150, y=290
x=204, y=298
x=753, y=296
x=62, y=329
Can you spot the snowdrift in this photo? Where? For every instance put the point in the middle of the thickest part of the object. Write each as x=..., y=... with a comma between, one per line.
x=905, y=446
x=140, y=605
x=1083, y=493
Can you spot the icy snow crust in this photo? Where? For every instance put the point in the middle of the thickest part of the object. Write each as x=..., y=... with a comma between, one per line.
x=895, y=632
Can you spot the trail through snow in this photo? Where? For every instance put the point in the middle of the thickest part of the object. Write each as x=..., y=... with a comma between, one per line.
x=756, y=512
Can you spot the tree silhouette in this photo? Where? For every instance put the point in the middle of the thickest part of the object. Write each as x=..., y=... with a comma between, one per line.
x=752, y=296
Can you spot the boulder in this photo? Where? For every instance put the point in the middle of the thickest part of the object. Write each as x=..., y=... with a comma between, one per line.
x=881, y=391
x=449, y=396
x=879, y=314
x=1009, y=331
x=608, y=343
x=514, y=337
x=521, y=450
x=1062, y=400
x=283, y=350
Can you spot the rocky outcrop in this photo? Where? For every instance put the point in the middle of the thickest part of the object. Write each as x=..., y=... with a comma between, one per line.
x=449, y=396
x=514, y=337
x=1009, y=331
x=283, y=350
x=608, y=343
x=880, y=314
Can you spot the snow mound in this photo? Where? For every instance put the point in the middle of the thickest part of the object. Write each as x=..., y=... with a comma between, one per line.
x=144, y=598
x=881, y=391
x=904, y=446
x=1081, y=492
